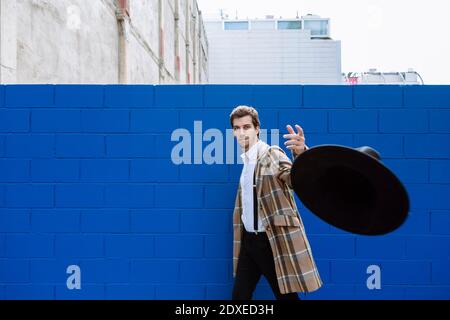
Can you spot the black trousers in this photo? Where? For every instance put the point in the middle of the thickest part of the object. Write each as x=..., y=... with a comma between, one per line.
x=256, y=259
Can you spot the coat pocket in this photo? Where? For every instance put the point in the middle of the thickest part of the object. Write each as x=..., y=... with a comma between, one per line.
x=285, y=220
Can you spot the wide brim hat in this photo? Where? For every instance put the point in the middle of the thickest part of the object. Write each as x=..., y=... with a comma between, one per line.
x=350, y=188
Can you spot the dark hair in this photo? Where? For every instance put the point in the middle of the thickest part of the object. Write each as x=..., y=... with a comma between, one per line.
x=242, y=111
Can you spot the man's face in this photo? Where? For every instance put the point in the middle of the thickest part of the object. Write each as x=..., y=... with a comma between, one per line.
x=245, y=132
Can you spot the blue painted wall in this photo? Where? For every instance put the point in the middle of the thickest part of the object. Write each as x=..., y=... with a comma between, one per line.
x=86, y=179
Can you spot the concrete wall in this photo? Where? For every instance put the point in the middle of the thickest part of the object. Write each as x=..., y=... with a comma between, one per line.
x=78, y=41
x=86, y=179
x=8, y=35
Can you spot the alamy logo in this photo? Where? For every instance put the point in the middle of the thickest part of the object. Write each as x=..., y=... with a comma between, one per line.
x=213, y=152
x=374, y=280
x=74, y=280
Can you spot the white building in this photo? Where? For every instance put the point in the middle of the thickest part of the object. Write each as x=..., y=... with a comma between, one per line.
x=276, y=51
x=377, y=77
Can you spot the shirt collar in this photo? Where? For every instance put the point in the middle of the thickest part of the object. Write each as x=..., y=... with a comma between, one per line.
x=251, y=154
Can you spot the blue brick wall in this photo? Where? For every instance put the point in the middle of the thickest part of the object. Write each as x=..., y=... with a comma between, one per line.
x=86, y=179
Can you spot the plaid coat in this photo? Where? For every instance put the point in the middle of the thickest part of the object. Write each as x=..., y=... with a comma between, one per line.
x=294, y=264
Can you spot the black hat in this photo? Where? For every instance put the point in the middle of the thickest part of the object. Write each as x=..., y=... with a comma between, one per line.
x=350, y=189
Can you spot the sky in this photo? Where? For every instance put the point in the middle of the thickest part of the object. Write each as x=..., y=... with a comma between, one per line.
x=389, y=35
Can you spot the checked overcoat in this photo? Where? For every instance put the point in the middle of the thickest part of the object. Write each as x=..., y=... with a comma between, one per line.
x=294, y=263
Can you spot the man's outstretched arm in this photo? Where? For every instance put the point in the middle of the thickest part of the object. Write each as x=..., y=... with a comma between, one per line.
x=284, y=167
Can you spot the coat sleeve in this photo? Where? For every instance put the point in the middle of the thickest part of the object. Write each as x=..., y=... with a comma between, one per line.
x=284, y=166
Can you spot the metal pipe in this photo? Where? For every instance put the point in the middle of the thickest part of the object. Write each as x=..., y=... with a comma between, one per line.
x=122, y=16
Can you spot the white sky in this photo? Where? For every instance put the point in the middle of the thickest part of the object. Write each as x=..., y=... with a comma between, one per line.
x=389, y=35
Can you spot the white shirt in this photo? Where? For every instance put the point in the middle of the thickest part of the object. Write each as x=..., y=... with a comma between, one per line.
x=249, y=158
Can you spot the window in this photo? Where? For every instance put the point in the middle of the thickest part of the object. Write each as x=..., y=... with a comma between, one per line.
x=236, y=25
x=317, y=27
x=284, y=25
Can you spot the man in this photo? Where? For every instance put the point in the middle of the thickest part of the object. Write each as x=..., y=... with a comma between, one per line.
x=268, y=234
